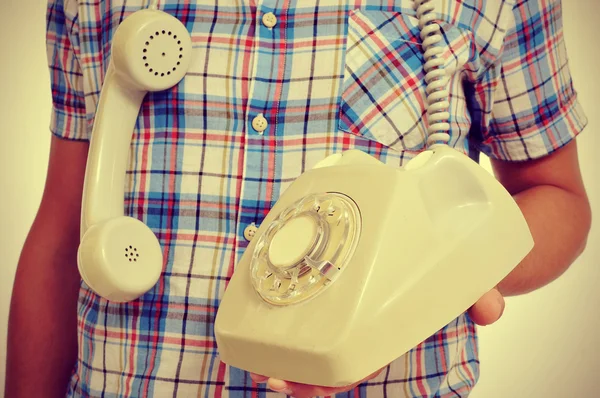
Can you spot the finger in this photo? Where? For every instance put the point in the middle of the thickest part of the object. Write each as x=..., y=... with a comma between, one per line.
x=280, y=386
x=308, y=391
x=299, y=390
x=258, y=378
x=488, y=309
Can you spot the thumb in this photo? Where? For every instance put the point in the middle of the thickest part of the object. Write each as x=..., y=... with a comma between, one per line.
x=488, y=309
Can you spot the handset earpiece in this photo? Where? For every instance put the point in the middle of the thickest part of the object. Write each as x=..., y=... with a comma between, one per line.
x=119, y=257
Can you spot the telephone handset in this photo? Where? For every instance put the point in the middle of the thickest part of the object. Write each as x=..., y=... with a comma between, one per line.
x=119, y=257
x=358, y=262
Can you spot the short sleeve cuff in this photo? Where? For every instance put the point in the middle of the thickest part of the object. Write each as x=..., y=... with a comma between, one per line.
x=68, y=125
x=536, y=141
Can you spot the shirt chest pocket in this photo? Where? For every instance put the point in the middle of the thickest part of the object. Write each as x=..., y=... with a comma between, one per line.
x=383, y=95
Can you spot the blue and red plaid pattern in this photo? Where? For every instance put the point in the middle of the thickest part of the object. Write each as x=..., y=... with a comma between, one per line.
x=331, y=75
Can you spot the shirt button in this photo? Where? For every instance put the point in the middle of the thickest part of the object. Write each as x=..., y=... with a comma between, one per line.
x=269, y=20
x=259, y=123
x=250, y=231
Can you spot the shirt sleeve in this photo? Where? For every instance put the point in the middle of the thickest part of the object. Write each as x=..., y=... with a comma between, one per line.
x=68, y=115
x=531, y=106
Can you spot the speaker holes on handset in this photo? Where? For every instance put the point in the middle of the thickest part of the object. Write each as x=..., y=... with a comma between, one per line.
x=147, y=58
x=130, y=253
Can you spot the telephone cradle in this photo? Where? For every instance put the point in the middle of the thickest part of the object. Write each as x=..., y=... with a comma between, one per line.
x=358, y=262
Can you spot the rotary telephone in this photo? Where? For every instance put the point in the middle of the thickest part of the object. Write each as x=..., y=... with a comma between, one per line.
x=357, y=263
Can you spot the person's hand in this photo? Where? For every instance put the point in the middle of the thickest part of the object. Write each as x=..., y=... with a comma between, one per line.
x=298, y=390
x=487, y=310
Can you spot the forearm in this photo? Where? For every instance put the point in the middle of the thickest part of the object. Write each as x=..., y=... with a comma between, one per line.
x=42, y=340
x=559, y=221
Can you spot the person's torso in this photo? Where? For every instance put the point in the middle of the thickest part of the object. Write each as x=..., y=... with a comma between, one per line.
x=329, y=76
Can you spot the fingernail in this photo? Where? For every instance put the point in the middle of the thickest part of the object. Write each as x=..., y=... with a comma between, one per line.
x=279, y=386
x=502, y=304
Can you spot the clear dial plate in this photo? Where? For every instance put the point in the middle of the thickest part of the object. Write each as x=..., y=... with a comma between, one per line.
x=306, y=248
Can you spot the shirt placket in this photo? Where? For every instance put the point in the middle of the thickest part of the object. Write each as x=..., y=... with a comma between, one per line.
x=260, y=162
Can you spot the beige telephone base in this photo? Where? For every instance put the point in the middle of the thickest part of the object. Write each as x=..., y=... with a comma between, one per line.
x=359, y=262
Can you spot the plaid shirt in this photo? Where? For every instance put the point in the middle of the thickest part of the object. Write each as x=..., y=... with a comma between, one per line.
x=329, y=76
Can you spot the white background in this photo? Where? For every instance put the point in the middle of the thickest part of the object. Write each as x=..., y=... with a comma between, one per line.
x=546, y=345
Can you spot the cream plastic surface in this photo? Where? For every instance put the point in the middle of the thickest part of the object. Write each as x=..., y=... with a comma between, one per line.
x=431, y=238
x=119, y=257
